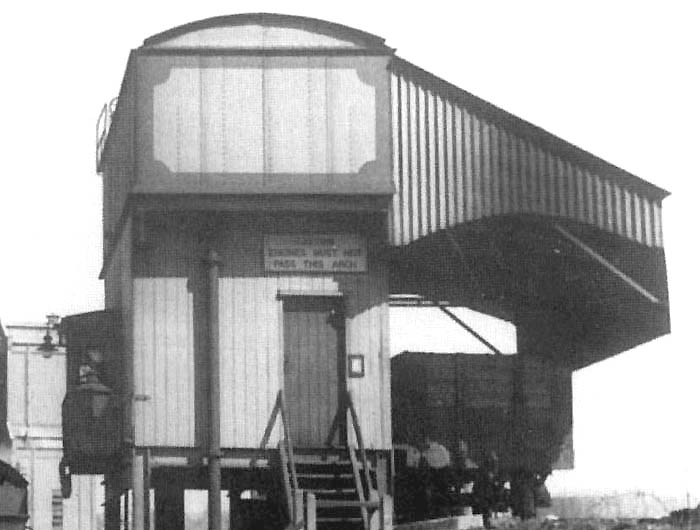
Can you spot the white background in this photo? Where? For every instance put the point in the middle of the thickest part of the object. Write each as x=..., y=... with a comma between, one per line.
x=619, y=79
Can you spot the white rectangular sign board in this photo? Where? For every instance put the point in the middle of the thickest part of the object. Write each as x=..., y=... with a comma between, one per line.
x=315, y=253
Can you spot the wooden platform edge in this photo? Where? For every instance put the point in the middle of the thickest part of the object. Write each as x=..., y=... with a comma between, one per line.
x=458, y=522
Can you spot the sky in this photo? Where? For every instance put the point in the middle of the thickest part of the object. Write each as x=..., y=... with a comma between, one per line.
x=619, y=79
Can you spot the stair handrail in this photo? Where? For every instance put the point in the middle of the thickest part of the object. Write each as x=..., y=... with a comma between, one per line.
x=288, y=441
x=104, y=121
x=346, y=404
x=287, y=450
x=360, y=441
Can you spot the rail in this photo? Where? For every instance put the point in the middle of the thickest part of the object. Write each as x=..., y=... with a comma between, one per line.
x=104, y=121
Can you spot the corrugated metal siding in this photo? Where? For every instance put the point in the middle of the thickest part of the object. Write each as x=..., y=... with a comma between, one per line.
x=451, y=165
x=163, y=349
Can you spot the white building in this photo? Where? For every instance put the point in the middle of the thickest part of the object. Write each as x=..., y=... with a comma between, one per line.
x=36, y=385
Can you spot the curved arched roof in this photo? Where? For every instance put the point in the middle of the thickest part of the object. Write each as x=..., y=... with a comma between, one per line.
x=292, y=32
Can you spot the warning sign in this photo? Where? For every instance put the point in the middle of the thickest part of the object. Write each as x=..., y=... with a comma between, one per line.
x=315, y=253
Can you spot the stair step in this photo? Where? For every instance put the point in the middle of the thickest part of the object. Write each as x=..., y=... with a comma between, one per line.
x=332, y=491
x=324, y=475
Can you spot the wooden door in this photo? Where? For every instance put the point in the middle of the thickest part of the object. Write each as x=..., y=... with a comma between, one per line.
x=314, y=367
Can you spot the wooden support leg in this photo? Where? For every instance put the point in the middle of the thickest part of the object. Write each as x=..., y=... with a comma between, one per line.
x=146, y=491
x=170, y=506
x=387, y=512
x=112, y=503
x=298, y=507
x=234, y=509
x=137, y=514
x=310, y=511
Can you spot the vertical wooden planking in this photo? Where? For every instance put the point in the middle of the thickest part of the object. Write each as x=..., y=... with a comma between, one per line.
x=572, y=205
x=422, y=162
x=514, y=172
x=467, y=146
x=463, y=168
x=240, y=362
x=494, y=148
x=226, y=361
x=477, y=174
x=599, y=198
x=609, y=215
x=524, y=173
x=540, y=172
x=170, y=355
x=450, y=164
x=561, y=180
x=396, y=208
x=550, y=169
x=262, y=376
x=459, y=165
x=580, y=197
x=637, y=218
x=503, y=155
x=646, y=213
x=163, y=361
x=405, y=163
x=430, y=160
x=212, y=135
x=628, y=216
x=160, y=398
x=619, y=206
x=143, y=299
x=275, y=345
x=658, y=232
x=414, y=166
x=440, y=163
x=250, y=335
x=486, y=173
x=591, y=196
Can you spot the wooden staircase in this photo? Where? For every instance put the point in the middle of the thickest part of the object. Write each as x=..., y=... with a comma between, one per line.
x=332, y=488
x=333, y=482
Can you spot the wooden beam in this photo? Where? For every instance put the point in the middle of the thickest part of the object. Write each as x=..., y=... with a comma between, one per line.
x=605, y=263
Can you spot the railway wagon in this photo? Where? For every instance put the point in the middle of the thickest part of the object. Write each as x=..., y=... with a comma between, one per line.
x=483, y=409
x=478, y=404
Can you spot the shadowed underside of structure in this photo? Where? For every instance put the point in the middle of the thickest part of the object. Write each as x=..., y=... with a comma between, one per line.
x=496, y=214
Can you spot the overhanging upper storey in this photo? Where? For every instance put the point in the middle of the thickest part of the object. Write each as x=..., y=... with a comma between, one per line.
x=253, y=104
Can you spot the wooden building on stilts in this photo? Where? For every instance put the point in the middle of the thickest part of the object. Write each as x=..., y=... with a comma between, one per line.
x=270, y=182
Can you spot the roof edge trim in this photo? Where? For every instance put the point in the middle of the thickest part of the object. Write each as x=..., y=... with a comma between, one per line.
x=314, y=25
